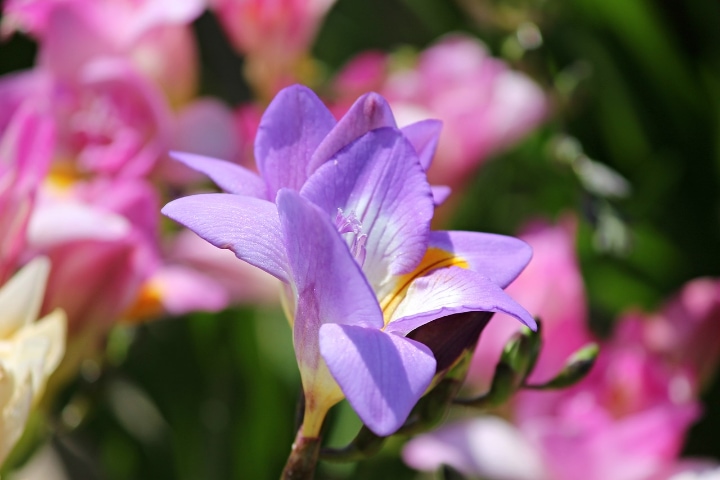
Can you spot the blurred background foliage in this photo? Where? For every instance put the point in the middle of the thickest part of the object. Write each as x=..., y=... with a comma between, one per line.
x=635, y=85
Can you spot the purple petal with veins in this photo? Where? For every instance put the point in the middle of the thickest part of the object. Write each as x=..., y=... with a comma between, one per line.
x=379, y=179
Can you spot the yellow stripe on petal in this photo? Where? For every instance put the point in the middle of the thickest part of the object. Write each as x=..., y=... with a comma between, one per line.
x=434, y=258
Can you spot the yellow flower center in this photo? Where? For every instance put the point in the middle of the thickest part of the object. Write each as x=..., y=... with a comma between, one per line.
x=434, y=258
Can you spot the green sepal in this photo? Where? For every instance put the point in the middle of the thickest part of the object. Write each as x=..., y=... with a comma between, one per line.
x=516, y=363
x=576, y=368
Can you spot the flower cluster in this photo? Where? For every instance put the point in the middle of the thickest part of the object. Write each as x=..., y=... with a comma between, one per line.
x=627, y=420
x=332, y=204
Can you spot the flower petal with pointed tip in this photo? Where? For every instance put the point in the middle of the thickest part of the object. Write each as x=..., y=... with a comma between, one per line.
x=22, y=296
x=382, y=375
x=424, y=136
x=294, y=124
x=248, y=226
x=497, y=257
x=446, y=291
x=232, y=178
x=369, y=112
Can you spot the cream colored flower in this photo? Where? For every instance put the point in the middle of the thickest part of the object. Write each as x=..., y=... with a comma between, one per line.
x=29, y=350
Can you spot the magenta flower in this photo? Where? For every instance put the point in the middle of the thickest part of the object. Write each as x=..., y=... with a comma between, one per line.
x=25, y=152
x=484, y=105
x=91, y=228
x=342, y=216
x=109, y=120
x=154, y=35
x=273, y=35
x=625, y=421
x=684, y=331
x=551, y=288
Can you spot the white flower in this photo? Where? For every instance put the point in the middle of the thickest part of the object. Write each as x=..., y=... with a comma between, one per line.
x=29, y=350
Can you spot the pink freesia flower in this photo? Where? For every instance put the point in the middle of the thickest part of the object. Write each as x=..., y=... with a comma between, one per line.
x=109, y=119
x=486, y=446
x=484, y=106
x=154, y=34
x=85, y=241
x=692, y=470
x=25, y=152
x=626, y=421
x=274, y=35
x=685, y=330
x=91, y=228
x=551, y=288
x=243, y=282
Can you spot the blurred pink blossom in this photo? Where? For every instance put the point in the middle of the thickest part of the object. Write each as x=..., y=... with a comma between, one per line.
x=551, y=288
x=105, y=134
x=109, y=119
x=484, y=105
x=85, y=241
x=684, y=331
x=486, y=447
x=243, y=283
x=626, y=421
x=25, y=152
x=153, y=34
x=91, y=228
x=204, y=126
x=692, y=470
x=274, y=35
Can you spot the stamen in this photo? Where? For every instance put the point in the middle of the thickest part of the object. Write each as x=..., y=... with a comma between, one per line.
x=351, y=224
x=358, y=248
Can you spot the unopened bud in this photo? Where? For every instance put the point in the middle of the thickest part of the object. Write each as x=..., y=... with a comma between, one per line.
x=522, y=351
x=576, y=368
x=516, y=363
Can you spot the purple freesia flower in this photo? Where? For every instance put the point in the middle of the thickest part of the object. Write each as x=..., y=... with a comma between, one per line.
x=342, y=216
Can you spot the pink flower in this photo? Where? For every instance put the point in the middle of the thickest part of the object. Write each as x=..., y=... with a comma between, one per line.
x=485, y=106
x=626, y=421
x=154, y=34
x=274, y=35
x=25, y=152
x=86, y=240
x=109, y=119
x=551, y=288
x=102, y=237
x=243, y=283
x=487, y=446
x=685, y=330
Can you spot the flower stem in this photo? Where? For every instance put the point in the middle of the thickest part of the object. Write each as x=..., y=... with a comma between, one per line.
x=303, y=458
